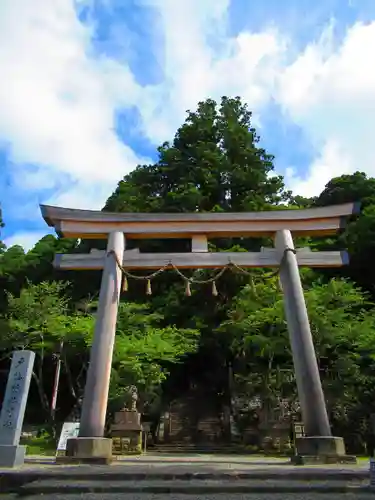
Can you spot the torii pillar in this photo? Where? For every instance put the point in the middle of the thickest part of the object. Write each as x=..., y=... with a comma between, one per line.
x=318, y=442
x=91, y=446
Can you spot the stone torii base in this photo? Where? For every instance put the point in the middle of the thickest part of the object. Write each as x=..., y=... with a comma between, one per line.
x=312, y=450
x=95, y=451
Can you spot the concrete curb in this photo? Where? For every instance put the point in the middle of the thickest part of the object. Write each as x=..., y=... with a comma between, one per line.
x=195, y=489
x=11, y=481
x=98, y=475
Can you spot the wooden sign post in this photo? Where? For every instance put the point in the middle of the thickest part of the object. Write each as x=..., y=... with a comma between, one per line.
x=200, y=227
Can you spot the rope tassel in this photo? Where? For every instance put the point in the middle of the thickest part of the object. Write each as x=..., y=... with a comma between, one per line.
x=125, y=286
x=187, y=289
x=148, y=288
x=214, y=289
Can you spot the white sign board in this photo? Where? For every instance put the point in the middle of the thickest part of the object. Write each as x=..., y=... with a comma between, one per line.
x=69, y=430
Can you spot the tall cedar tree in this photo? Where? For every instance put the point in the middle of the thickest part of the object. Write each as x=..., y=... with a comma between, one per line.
x=214, y=163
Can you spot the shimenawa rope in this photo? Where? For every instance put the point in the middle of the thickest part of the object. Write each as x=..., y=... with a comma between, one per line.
x=188, y=281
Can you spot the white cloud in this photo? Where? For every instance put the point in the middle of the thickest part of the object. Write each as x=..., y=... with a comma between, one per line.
x=26, y=239
x=332, y=162
x=200, y=60
x=57, y=102
x=328, y=89
x=330, y=92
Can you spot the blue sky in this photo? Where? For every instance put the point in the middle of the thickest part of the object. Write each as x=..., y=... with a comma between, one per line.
x=92, y=87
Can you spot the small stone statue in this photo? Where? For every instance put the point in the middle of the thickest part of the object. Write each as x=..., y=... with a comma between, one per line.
x=134, y=398
x=131, y=391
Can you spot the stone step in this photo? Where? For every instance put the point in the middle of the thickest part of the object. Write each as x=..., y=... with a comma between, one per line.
x=181, y=470
x=199, y=450
x=95, y=485
x=190, y=444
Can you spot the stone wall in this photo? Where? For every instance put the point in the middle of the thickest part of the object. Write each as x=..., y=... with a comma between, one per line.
x=189, y=420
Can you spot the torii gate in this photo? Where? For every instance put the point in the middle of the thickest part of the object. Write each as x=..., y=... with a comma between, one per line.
x=91, y=446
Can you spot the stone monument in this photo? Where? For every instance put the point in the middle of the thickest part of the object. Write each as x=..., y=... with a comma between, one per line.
x=13, y=409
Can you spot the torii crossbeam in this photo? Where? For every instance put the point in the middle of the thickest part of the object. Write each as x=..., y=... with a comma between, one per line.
x=200, y=227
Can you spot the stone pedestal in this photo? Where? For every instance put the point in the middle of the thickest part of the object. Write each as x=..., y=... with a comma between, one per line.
x=12, y=455
x=320, y=449
x=126, y=432
x=87, y=451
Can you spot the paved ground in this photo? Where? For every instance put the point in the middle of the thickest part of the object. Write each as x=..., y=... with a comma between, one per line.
x=208, y=477
x=193, y=458
x=216, y=496
x=195, y=462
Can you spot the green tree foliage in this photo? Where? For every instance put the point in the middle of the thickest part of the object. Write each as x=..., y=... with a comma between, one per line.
x=235, y=345
x=145, y=351
x=18, y=267
x=343, y=327
x=358, y=236
x=39, y=319
x=213, y=163
x=348, y=188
